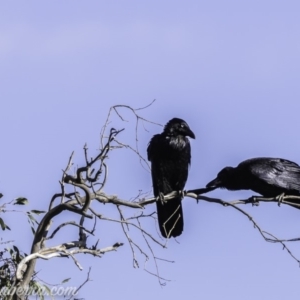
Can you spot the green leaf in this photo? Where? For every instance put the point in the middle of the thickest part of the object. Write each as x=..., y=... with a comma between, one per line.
x=37, y=212
x=37, y=287
x=3, y=225
x=21, y=201
x=32, y=219
x=66, y=280
x=18, y=259
x=33, y=230
x=48, y=291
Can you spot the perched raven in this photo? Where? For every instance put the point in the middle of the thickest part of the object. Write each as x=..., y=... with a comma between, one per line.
x=270, y=177
x=170, y=156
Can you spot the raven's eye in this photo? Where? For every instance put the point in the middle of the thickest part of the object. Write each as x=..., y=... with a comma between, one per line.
x=182, y=125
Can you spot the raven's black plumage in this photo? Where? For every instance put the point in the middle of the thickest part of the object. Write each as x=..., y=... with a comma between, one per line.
x=170, y=156
x=269, y=177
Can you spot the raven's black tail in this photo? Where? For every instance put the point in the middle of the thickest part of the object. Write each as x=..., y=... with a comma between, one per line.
x=170, y=217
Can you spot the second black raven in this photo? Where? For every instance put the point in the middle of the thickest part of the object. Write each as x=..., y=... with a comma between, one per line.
x=170, y=156
x=270, y=177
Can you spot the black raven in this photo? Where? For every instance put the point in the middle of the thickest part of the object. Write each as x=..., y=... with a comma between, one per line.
x=170, y=156
x=270, y=177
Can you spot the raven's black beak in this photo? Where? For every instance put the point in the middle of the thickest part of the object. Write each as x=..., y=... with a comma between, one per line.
x=214, y=183
x=190, y=133
x=201, y=191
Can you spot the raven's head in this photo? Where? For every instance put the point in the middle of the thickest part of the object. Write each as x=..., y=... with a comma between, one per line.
x=177, y=127
x=223, y=179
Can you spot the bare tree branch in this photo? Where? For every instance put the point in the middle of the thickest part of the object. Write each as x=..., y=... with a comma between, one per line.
x=62, y=251
x=88, y=183
x=80, y=287
x=73, y=223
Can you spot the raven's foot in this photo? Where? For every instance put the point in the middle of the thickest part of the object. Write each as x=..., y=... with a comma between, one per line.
x=182, y=194
x=161, y=198
x=280, y=198
x=254, y=200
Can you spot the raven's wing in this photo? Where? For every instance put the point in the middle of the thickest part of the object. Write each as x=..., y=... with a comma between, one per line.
x=169, y=166
x=153, y=147
x=155, y=153
x=277, y=172
x=169, y=171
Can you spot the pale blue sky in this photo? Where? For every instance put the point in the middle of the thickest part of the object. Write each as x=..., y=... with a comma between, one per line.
x=231, y=69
